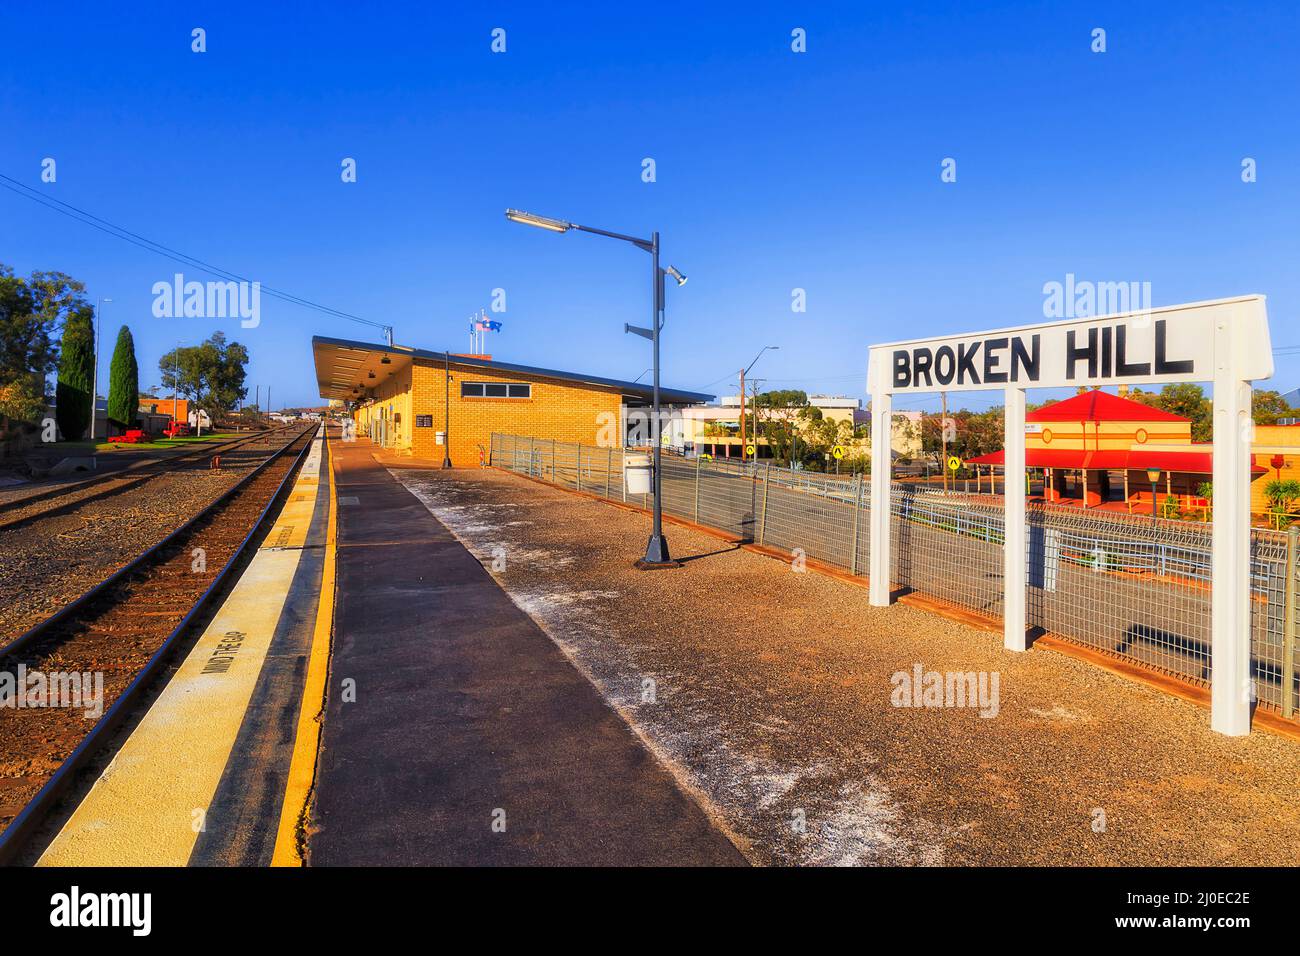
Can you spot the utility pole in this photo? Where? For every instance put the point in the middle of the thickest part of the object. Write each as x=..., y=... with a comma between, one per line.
x=943, y=433
x=742, y=417
x=94, y=387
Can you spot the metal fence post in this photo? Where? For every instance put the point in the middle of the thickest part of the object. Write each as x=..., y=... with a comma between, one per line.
x=622, y=467
x=578, y=446
x=697, y=489
x=1289, y=623
x=857, y=514
x=609, y=467
x=553, y=480
x=762, y=518
x=532, y=454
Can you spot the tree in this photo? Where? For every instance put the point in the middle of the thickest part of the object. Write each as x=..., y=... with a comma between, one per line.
x=30, y=311
x=76, y=373
x=210, y=375
x=1267, y=407
x=1185, y=399
x=775, y=413
x=124, y=381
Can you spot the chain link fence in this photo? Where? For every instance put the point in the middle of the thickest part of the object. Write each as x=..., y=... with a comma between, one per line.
x=1133, y=588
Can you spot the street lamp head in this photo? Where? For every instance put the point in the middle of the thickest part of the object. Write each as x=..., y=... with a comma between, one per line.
x=541, y=222
x=672, y=271
x=1153, y=475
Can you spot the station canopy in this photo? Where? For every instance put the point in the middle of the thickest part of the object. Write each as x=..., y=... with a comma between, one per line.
x=344, y=371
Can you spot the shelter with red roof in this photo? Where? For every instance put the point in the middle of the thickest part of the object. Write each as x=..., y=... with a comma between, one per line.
x=1096, y=449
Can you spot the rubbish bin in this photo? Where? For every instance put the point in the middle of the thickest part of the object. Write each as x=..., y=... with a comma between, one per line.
x=636, y=472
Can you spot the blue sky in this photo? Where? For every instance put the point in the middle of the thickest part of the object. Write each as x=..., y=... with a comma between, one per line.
x=775, y=170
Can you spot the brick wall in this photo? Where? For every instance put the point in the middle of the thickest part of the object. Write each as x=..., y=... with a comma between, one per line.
x=564, y=412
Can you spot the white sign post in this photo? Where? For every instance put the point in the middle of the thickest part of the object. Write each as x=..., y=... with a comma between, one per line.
x=1225, y=342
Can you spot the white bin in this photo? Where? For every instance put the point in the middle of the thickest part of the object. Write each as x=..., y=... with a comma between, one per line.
x=636, y=472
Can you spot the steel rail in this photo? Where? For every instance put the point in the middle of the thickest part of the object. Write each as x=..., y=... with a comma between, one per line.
x=13, y=839
x=130, y=477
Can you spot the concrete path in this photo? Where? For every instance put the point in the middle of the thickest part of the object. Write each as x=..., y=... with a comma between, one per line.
x=457, y=732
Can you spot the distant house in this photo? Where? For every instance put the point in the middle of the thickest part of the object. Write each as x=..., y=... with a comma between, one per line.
x=178, y=408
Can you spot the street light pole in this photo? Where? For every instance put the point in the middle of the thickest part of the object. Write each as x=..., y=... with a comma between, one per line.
x=656, y=555
x=743, y=373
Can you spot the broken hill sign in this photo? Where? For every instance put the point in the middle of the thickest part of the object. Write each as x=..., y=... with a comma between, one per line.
x=1224, y=342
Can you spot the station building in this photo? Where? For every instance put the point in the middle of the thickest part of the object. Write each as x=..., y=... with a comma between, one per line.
x=410, y=400
x=1095, y=449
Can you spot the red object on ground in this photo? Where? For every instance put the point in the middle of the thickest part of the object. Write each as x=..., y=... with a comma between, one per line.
x=176, y=429
x=132, y=436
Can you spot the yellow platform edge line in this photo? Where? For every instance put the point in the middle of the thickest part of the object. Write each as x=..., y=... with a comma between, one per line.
x=311, y=714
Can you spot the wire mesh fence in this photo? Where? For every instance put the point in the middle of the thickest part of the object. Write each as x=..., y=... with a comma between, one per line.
x=1137, y=589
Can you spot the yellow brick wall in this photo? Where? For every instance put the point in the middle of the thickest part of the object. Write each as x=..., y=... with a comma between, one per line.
x=1273, y=440
x=560, y=411
x=393, y=404
x=1070, y=436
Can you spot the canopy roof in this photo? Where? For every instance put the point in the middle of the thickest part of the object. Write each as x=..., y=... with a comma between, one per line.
x=342, y=365
x=1099, y=406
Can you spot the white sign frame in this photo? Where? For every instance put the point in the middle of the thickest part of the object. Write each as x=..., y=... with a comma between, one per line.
x=1223, y=341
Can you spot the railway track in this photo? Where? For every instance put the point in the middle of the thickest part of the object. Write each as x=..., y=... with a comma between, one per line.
x=125, y=628
x=20, y=511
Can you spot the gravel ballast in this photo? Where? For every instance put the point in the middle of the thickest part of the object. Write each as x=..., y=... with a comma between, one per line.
x=768, y=692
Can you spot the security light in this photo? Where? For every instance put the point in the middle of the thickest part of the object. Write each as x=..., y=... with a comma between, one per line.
x=541, y=222
x=672, y=271
x=385, y=361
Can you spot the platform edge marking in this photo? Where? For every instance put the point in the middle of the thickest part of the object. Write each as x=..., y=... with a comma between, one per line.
x=302, y=768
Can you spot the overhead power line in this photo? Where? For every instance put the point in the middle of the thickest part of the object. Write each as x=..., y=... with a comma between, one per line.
x=118, y=232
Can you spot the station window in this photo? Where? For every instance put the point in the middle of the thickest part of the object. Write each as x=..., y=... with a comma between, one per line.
x=495, y=390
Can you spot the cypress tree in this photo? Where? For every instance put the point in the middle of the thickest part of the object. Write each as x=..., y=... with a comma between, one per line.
x=124, y=381
x=76, y=373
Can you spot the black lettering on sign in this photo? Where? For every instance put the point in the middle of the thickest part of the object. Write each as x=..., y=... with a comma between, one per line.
x=902, y=369
x=966, y=363
x=1027, y=360
x=1019, y=359
x=991, y=360
x=945, y=364
x=1123, y=367
x=1163, y=365
x=921, y=359
x=1074, y=354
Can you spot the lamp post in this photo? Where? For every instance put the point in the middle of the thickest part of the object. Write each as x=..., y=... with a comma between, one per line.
x=1153, y=476
x=94, y=387
x=656, y=555
x=743, y=373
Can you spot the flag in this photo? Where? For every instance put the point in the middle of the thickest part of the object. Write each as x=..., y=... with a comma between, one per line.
x=487, y=325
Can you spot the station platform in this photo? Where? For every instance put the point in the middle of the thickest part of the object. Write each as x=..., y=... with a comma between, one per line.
x=456, y=731
x=205, y=776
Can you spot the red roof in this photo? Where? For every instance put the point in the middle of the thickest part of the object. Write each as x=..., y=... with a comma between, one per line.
x=1189, y=462
x=1097, y=406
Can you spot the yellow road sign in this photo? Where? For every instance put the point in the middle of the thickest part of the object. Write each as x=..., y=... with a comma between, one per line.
x=750, y=449
x=838, y=452
x=953, y=462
